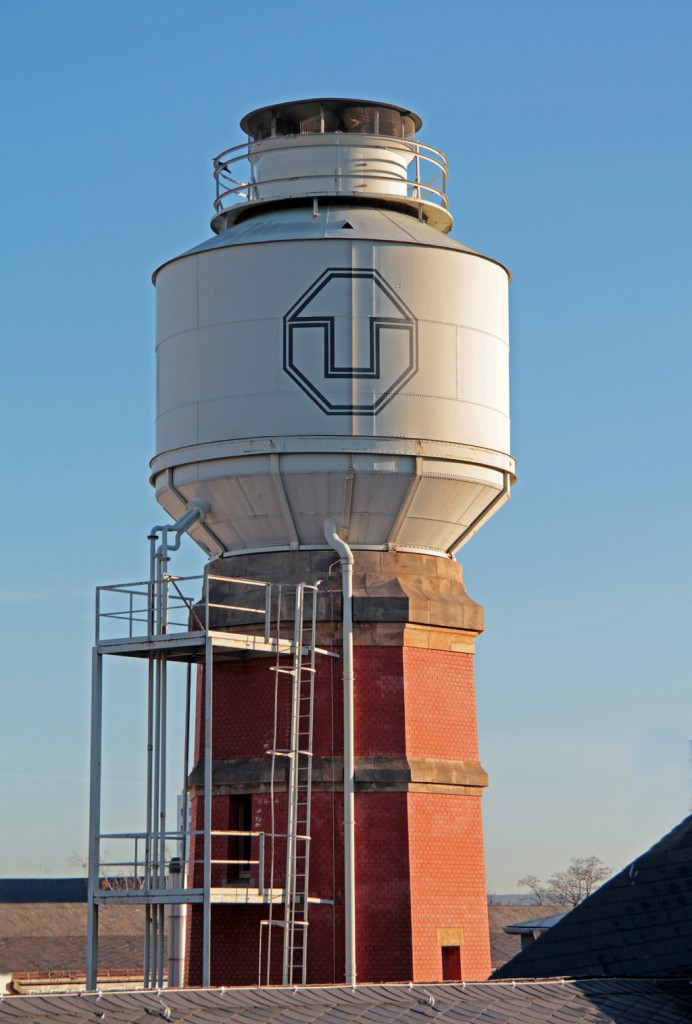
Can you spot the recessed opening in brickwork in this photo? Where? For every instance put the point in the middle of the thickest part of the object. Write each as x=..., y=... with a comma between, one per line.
x=451, y=963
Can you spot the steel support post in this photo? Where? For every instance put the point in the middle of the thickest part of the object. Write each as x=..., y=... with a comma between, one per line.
x=147, y=945
x=161, y=909
x=149, y=812
x=208, y=697
x=162, y=810
x=156, y=844
x=184, y=852
x=94, y=818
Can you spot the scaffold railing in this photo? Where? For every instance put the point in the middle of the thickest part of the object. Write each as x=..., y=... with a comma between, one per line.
x=143, y=609
x=196, y=620
x=137, y=871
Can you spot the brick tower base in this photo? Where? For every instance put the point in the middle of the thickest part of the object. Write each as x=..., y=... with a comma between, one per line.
x=421, y=910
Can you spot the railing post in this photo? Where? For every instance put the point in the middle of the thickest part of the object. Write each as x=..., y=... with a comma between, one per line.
x=267, y=611
x=206, y=602
x=260, y=867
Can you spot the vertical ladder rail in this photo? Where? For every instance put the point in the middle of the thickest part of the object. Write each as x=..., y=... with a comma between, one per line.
x=299, y=793
x=306, y=720
x=292, y=795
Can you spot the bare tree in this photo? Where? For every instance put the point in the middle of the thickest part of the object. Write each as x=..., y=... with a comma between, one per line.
x=536, y=889
x=78, y=861
x=569, y=887
x=110, y=880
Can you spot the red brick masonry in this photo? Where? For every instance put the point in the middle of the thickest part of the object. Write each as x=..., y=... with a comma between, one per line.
x=420, y=882
x=419, y=854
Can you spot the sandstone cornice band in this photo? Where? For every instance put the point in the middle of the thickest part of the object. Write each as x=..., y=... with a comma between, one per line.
x=373, y=774
x=389, y=587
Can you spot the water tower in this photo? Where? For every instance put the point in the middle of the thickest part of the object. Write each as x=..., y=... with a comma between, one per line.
x=333, y=410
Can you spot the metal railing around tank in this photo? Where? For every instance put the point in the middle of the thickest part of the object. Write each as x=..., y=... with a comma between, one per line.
x=423, y=180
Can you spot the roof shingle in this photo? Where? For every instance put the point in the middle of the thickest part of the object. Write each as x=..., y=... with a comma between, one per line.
x=638, y=924
x=584, y=1002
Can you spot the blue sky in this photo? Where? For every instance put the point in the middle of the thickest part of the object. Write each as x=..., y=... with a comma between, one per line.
x=566, y=126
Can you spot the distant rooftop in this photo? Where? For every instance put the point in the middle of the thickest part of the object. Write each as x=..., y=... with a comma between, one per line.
x=505, y=921
x=534, y=924
x=43, y=890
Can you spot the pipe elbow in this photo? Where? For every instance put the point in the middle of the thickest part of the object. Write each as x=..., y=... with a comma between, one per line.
x=196, y=513
x=335, y=541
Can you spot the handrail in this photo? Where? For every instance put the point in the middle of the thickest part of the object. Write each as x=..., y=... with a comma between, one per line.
x=141, y=876
x=140, y=600
x=425, y=160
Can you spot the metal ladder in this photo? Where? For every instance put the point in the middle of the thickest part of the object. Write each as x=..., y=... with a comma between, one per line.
x=302, y=675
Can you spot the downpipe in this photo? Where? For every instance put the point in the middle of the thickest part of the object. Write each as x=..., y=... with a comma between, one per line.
x=346, y=556
x=158, y=559
x=176, y=927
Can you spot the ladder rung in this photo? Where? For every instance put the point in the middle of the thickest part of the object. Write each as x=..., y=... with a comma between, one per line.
x=291, y=671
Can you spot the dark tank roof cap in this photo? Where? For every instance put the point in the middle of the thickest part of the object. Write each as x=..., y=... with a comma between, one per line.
x=322, y=116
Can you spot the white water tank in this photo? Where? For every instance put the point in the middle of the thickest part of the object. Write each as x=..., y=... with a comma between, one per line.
x=332, y=352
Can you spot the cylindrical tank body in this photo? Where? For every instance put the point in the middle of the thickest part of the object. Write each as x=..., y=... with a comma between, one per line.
x=333, y=356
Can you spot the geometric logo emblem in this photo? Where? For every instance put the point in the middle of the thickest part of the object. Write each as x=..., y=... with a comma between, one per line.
x=350, y=343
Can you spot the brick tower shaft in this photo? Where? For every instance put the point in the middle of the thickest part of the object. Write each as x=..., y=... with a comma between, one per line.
x=420, y=898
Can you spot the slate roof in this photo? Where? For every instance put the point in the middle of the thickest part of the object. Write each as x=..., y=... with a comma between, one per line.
x=37, y=955
x=43, y=890
x=637, y=925
x=503, y=944
x=58, y=919
x=535, y=924
x=605, y=1001
x=52, y=936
